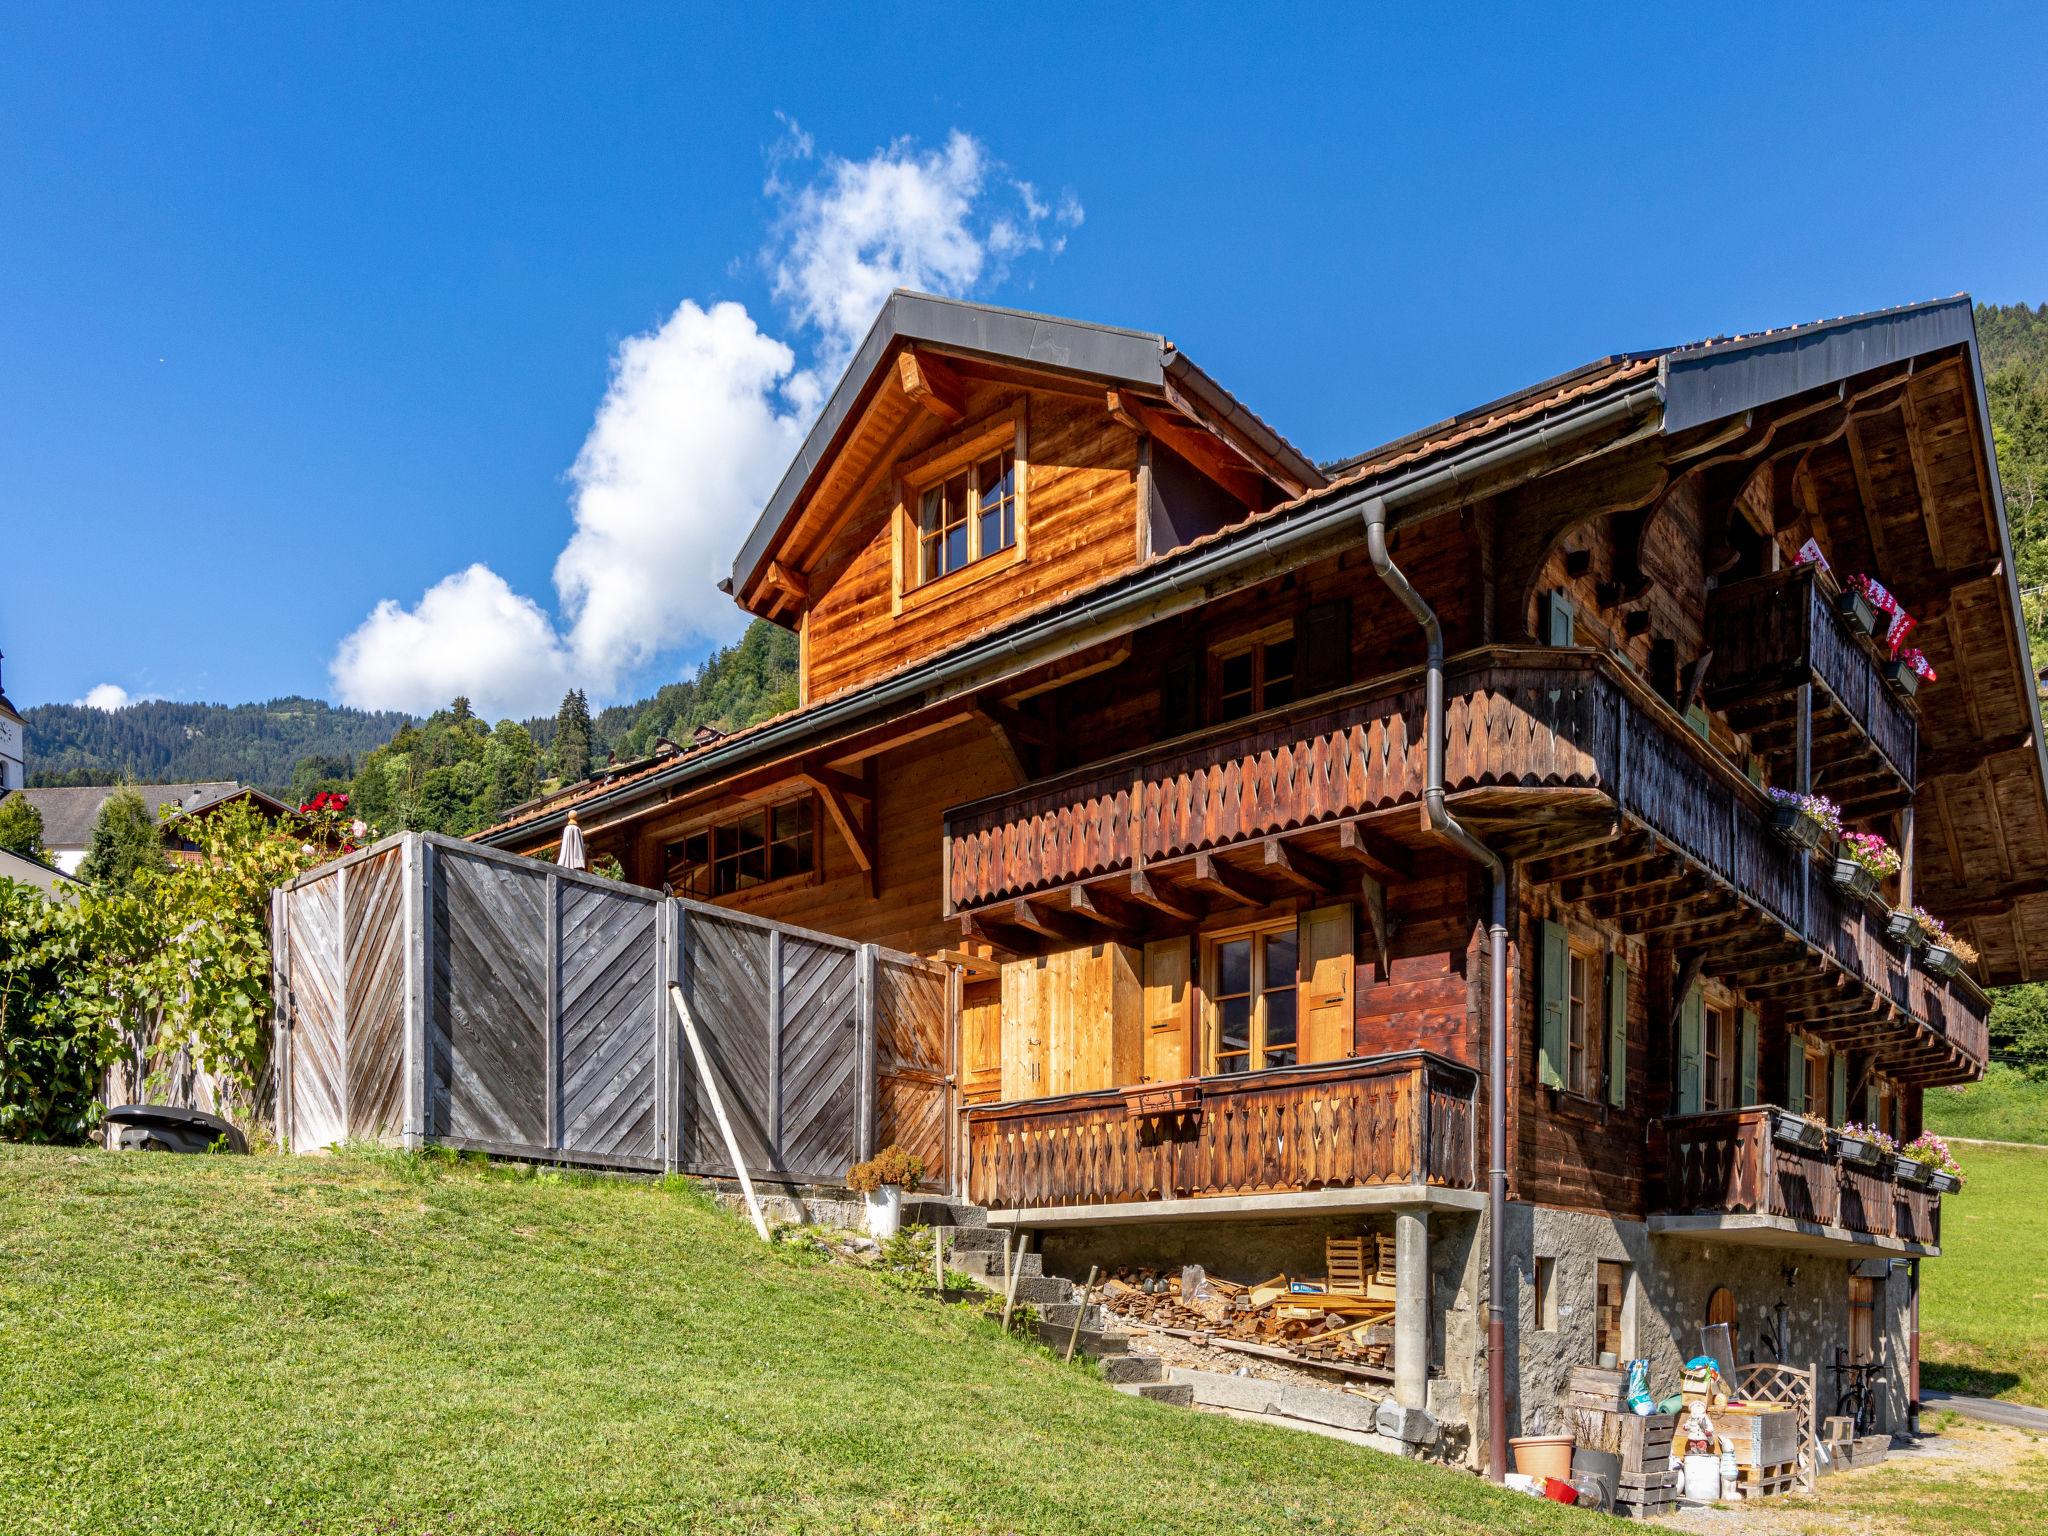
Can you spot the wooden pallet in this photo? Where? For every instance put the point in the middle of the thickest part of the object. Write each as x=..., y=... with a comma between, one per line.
x=1763, y=1482
x=1643, y=1496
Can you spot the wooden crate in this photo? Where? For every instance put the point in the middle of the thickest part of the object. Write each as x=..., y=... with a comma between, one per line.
x=1589, y=1386
x=1645, y=1495
x=1642, y=1443
x=1762, y=1437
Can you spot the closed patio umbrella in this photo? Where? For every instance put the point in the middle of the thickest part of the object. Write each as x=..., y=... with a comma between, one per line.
x=571, y=856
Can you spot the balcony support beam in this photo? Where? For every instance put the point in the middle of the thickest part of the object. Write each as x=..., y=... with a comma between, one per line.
x=1162, y=897
x=1303, y=870
x=1212, y=875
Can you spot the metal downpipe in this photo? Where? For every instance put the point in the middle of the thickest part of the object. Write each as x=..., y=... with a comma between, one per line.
x=1448, y=826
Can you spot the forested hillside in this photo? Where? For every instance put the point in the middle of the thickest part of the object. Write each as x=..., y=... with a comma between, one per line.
x=2014, y=339
x=163, y=742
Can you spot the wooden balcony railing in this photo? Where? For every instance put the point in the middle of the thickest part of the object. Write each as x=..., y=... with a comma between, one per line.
x=1770, y=634
x=1729, y=1163
x=1525, y=719
x=1403, y=1119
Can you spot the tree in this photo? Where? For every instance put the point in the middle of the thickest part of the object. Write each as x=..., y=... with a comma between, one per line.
x=54, y=1045
x=2019, y=1027
x=126, y=840
x=21, y=827
x=572, y=738
x=319, y=774
x=512, y=766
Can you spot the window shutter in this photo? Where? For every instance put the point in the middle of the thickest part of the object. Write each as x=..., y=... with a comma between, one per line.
x=1180, y=695
x=1325, y=944
x=1838, y=1088
x=1617, y=1027
x=1559, y=619
x=1795, y=1072
x=1747, y=1086
x=1168, y=1002
x=1691, y=1017
x=1870, y=1113
x=1554, y=978
x=1326, y=646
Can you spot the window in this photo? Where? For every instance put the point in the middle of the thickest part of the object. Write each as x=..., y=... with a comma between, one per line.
x=1719, y=1049
x=1578, y=1072
x=1546, y=1295
x=1254, y=674
x=967, y=516
x=1611, y=1310
x=777, y=842
x=1252, y=981
x=1814, y=1099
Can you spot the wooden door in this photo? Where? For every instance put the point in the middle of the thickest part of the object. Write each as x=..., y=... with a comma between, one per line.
x=912, y=1009
x=981, y=1042
x=1326, y=972
x=1862, y=1319
x=1169, y=1009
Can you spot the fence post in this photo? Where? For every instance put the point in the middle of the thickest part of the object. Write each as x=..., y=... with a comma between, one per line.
x=866, y=992
x=412, y=1040
x=551, y=986
x=280, y=1013
x=422, y=1023
x=679, y=1059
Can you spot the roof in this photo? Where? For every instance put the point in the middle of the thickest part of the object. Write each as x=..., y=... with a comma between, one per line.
x=1109, y=354
x=1735, y=372
x=20, y=867
x=69, y=812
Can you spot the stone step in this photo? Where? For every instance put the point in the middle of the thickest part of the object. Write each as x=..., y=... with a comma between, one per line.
x=1043, y=1290
x=1060, y=1314
x=1174, y=1394
x=989, y=1239
x=985, y=1265
x=1092, y=1342
x=1133, y=1370
x=933, y=1211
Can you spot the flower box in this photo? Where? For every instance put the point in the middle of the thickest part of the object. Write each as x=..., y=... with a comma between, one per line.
x=1795, y=825
x=1856, y=1149
x=1853, y=877
x=1903, y=927
x=1902, y=677
x=1857, y=611
x=1942, y=1182
x=1161, y=1099
x=1791, y=1130
x=1910, y=1170
x=1940, y=960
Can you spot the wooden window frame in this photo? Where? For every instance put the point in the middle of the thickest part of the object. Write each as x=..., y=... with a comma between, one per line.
x=1257, y=642
x=1581, y=996
x=713, y=825
x=1003, y=430
x=1817, y=1085
x=1720, y=1053
x=1212, y=1024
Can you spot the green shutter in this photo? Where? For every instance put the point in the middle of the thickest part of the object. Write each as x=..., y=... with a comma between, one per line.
x=1747, y=1068
x=1696, y=717
x=1838, y=1088
x=1795, y=1071
x=1870, y=1100
x=1691, y=1018
x=1559, y=619
x=1554, y=979
x=1617, y=1027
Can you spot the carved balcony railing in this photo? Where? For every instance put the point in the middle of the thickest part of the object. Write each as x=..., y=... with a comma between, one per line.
x=1730, y=1163
x=1405, y=1119
x=1769, y=635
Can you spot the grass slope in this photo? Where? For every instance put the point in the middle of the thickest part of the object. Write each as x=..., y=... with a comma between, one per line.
x=370, y=1345
x=2006, y=1106
x=1984, y=1302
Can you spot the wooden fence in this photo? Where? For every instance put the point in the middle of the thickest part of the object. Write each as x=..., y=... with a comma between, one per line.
x=431, y=990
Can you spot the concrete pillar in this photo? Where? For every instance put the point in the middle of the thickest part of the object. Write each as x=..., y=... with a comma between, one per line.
x=1411, y=1308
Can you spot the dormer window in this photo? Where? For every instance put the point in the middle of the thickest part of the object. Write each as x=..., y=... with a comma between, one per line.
x=967, y=516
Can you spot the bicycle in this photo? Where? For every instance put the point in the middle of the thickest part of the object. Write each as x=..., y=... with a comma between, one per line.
x=1857, y=1401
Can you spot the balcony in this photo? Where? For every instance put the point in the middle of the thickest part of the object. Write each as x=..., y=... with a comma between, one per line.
x=1728, y=1176
x=1547, y=749
x=1380, y=1130
x=1770, y=634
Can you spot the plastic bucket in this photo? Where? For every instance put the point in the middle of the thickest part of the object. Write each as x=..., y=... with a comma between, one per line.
x=1702, y=1479
x=1544, y=1456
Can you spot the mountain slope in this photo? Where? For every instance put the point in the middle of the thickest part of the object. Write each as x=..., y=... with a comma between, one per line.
x=165, y=742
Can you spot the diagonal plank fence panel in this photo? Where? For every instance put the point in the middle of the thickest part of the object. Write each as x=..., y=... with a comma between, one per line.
x=432, y=990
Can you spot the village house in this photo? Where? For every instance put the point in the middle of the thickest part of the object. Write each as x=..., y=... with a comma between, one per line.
x=1409, y=844
x=70, y=811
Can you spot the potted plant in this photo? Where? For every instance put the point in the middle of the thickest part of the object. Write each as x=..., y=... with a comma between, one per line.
x=1901, y=676
x=1804, y=821
x=880, y=1182
x=1857, y=611
x=1793, y=1129
x=1903, y=927
x=1946, y=954
x=1862, y=1145
x=1931, y=1153
x=1862, y=861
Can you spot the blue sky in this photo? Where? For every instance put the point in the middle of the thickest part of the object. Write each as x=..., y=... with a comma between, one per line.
x=307, y=310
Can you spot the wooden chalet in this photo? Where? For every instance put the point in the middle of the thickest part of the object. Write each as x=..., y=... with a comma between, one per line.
x=1208, y=769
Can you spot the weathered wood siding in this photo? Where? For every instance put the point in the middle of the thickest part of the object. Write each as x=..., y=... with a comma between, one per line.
x=431, y=990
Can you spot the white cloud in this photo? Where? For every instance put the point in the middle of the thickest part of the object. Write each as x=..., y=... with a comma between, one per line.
x=469, y=634
x=108, y=696
x=699, y=420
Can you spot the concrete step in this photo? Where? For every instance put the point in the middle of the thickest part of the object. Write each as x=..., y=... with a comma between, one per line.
x=988, y=1239
x=1060, y=1314
x=976, y=1262
x=934, y=1211
x=1133, y=1370
x=1173, y=1394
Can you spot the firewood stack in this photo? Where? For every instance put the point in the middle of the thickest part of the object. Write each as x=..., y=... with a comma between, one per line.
x=1346, y=1318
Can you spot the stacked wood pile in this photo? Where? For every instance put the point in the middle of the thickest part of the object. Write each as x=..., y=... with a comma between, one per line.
x=1596, y=1408
x=1343, y=1320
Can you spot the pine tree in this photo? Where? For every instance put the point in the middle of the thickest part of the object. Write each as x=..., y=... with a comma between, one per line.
x=125, y=839
x=460, y=709
x=513, y=767
x=572, y=738
x=21, y=828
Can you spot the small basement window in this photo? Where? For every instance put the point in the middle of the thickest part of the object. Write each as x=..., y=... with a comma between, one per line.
x=777, y=842
x=1546, y=1295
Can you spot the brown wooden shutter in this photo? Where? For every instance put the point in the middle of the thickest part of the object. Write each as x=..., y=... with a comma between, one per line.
x=1169, y=1009
x=1326, y=646
x=981, y=1041
x=1325, y=942
x=1025, y=992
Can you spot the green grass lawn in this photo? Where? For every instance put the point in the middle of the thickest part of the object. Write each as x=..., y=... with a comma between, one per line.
x=1984, y=1302
x=2005, y=1106
x=365, y=1345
